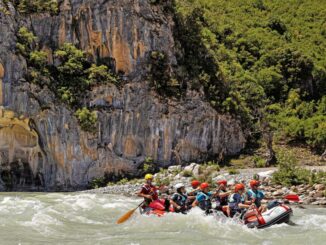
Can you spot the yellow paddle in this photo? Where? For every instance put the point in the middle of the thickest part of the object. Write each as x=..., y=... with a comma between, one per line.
x=127, y=215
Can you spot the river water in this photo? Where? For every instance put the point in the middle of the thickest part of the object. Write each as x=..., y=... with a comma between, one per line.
x=59, y=218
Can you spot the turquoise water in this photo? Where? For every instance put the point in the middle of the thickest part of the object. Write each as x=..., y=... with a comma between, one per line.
x=58, y=218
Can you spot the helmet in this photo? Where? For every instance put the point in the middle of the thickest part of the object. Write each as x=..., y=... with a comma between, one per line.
x=195, y=183
x=222, y=182
x=254, y=183
x=204, y=186
x=148, y=176
x=238, y=187
x=178, y=186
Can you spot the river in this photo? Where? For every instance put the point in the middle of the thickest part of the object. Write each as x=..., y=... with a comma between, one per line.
x=78, y=218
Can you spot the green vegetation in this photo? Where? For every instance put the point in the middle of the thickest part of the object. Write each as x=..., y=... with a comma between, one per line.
x=251, y=56
x=187, y=173
x=161, y=75
x=26, y=7
x=71, y=79
x=259, y=161
x=87, y=119
x=36, y=6
x=97, y=183
x=298, y=120
x=289, y=173
x=233, y=171
x=25, y=41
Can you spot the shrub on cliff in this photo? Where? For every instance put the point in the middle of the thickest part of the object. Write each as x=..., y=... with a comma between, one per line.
x=37, y=6
x=86, y=119
x=100, y=75
x=160, y=75
x=25, y=41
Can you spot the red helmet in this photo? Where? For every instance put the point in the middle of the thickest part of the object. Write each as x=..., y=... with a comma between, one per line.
x=238, y=187
x=195, y=183
x=254, y=183
x=204, y=185
x=222, y=182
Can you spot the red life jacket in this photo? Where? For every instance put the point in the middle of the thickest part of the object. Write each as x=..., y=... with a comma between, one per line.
x=150, y=190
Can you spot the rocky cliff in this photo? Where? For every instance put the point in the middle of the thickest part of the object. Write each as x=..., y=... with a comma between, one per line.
x=41, y=142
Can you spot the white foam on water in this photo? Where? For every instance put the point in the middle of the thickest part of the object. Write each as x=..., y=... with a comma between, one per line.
x=42, y=223
x=90, y=219
x=313, y=221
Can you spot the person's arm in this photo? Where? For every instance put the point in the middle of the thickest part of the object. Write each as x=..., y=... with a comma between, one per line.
x=175, y=204
x=241, y=205
x=192, y=193
x=144, y=195
x=195, y=203
x=224, y=194
x=141, y=194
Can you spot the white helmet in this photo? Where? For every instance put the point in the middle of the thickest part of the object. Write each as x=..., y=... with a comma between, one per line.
x=178, y=186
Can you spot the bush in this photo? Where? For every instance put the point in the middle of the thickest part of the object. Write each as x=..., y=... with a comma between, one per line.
x=187, y=173
x=86, y=119
x=37, y=6
x=288, y=172
x=25, y=41
x=123, y=181
x=97, y=182
x=100, y=75
x=233, y=171
x=162, y=181
x=259, y=162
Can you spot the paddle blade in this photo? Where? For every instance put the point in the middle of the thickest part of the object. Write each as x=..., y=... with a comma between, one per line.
x=293, y=198
x=126, y=216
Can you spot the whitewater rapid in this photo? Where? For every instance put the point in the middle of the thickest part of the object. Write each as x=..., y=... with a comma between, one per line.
x=79, y=218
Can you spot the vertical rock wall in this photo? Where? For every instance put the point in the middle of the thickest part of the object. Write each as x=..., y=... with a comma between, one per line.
x=134, y=122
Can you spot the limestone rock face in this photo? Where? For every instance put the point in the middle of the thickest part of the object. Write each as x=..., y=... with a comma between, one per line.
x=121, y=31
x=44, y=137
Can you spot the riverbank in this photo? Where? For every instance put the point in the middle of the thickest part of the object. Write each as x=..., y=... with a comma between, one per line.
x=310, y=194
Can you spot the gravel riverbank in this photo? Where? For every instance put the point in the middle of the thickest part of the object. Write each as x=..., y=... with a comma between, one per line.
x=309, y=194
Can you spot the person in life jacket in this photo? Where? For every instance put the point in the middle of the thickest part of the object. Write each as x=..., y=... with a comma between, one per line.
x=222, y=197
x=256, y=196
x=193, y=193
x=195, y=184
x=203, y=198
x=179, y=199
x=237, y=200
x=150, y=194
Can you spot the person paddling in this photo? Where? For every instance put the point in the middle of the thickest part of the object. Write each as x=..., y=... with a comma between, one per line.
x=256, y=196
x=236, y=200
x=203, y=198
x=179, y=199
x=222, y=197
x=195, y=184
x=150, y=194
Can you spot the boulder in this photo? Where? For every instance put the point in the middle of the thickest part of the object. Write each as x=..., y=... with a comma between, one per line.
x=278, y=193
x=319, y=202
x=319, y=194
x=319, y=187
x=190, y=167
x=195, y=171
x=308, y=200
x=174, y=169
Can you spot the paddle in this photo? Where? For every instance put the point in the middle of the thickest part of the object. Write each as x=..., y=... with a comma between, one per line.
x=293, y=198
x=127, y=215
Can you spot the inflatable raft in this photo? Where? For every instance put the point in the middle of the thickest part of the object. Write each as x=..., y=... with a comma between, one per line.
x=276, y=215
